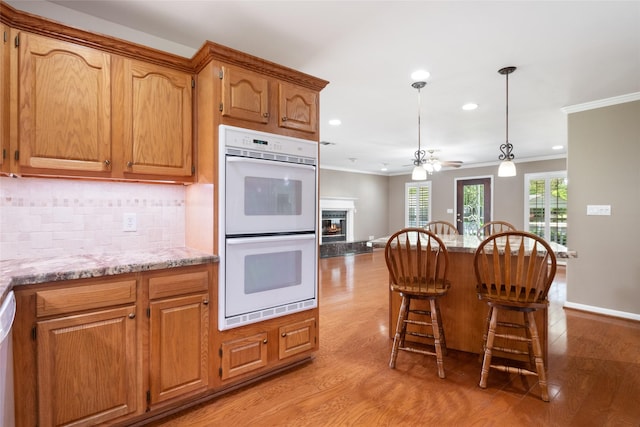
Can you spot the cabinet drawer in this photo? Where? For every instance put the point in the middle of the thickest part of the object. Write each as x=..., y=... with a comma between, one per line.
x=67, y=300
x=296, y=338
x=243, y=355
x=178, y=284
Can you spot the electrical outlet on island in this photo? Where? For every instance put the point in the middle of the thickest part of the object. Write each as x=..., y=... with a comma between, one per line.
x=129, y=222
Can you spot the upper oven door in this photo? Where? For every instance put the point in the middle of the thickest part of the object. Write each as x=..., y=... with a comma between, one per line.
x=266, y=196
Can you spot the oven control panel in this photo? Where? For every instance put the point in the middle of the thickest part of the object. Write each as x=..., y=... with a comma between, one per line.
x=250, y=140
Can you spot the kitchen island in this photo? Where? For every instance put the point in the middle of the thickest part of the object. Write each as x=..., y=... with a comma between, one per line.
x=463, y=315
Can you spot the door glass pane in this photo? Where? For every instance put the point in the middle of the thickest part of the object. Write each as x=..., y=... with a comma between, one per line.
x=473, y=208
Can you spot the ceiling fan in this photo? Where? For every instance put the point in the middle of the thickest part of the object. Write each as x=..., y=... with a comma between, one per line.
x=433, y=164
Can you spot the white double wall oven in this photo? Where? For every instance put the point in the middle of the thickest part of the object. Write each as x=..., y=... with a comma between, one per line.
x=267, y=233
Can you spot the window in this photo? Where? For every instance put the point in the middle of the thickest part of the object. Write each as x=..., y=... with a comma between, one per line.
x=546, y=206
x=417, y=205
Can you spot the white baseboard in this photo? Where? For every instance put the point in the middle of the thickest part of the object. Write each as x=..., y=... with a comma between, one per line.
x=600, y=310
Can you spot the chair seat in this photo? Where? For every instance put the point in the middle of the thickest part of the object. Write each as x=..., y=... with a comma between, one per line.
x=438, y=288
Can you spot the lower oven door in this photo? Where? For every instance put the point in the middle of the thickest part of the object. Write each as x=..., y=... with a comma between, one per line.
x=266, y=277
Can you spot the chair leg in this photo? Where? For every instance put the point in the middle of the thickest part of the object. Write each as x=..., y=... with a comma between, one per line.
x=441, y=329
x=486, y=362
x=436, y=326
x=401, y=328
x=537, y=351
x=532, y=359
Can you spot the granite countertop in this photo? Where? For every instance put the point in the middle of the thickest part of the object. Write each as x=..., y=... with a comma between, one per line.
x=14, y=273
x=469, y=244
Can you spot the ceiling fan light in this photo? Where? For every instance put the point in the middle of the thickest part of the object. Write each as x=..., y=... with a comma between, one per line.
x=428, y=167
x=419, y=174
x=437, y=166
x=507, y=168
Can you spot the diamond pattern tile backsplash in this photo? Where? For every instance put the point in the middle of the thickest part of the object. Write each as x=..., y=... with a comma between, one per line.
x=52, y=217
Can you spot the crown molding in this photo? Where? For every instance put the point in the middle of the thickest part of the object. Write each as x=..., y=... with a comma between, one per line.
x=635, y=96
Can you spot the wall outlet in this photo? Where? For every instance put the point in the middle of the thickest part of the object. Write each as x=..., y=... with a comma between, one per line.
x=129, y=222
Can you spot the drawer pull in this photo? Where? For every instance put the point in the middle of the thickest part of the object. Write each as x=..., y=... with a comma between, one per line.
x=284, y=334
x=132, y=315
x=205, y=302
x=264, y=341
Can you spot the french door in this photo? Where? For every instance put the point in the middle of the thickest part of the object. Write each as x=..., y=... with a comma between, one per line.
x=473, y=204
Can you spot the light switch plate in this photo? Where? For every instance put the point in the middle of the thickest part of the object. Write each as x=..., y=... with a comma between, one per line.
x=129, y=222
x=598, y=209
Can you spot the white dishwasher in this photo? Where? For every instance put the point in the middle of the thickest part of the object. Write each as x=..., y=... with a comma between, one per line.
x=7, y=314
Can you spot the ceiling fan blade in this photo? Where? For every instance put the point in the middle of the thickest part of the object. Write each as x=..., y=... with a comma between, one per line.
x=452, y=164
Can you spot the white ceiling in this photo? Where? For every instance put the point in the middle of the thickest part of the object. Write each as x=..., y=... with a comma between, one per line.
x=567, y=53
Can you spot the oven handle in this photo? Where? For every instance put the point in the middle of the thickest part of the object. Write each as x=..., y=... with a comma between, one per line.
x=262, y=239
x=236, y=159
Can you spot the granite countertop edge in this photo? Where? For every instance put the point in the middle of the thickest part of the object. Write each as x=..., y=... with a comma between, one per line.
x=18, y=272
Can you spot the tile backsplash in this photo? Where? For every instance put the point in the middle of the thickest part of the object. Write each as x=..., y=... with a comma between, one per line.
x=42, y=217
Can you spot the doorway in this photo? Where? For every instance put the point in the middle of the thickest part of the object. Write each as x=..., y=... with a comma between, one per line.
x=473, y=204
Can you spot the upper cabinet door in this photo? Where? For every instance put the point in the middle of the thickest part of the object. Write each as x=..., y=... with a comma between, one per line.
x=64, y=105
x=157, y=120
x=4, y=98
x=245, y=95
x=298, y=108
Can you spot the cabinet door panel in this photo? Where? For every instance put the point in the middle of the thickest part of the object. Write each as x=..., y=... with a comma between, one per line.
x=298, y=108
x=86, y=367
x=297, y=338
x=245, y=95
x=243, y=355
x=64, y=105
x=158, y=120
x=179, y=346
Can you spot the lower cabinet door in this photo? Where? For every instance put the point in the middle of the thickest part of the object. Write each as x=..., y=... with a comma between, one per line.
x=296, y=338
x=178, y=360
x=87, y=367
x=243, y=355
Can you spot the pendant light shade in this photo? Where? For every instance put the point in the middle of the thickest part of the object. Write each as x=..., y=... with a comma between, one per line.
x=507, y=167
x=419, y=172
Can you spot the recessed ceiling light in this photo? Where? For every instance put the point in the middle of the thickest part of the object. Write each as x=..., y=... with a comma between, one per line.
x=469, y=106
x=384, y=167
x=557, y=147
x=335, y=122
x=420, y=75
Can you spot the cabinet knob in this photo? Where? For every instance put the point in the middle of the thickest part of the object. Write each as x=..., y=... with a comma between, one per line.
x=107, y=163
x=265, y=114
x=264, y=341
x=284, y=119
x=284, y=334
x=205, y=302
x=132, y=315
x=129, y=164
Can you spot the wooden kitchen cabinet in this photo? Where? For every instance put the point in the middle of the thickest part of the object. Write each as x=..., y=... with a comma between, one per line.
x=243, y=355
x=4, y=98
x=155, y=121
x=253, y=350
x=245, y=95
x=179, y=334
x=297, y=108
x=297, y=338
x=271, y=104
x=64, y=106
x=86, y=360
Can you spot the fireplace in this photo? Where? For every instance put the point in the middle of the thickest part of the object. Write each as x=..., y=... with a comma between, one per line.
x=336, y=220
x=334, y=226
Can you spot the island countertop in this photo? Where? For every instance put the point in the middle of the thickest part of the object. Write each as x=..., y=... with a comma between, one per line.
x=16, y=272
x=469, y=244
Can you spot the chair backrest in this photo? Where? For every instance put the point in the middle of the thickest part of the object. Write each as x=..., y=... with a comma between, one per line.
x=493, y=227
x=417, y=260
x=516, y=267
x=441, y=228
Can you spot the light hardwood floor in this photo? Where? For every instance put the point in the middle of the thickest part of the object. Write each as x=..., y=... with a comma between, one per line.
x=594, y=371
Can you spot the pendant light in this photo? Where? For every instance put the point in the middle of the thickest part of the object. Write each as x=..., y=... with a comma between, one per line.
x=507, y=167
x=419, y=172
